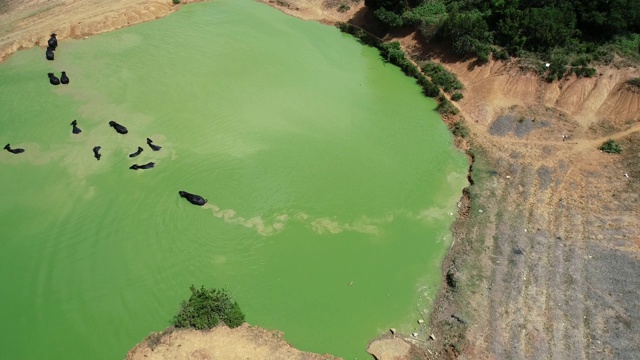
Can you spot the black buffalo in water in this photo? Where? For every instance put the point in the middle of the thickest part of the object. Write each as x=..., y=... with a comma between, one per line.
x=119, y=128
x=153, y=146
x=75, y=129
x=53, y=79
x=192, y=198
x=64, y=78
x=96, y=152
x=149, y=165
x=136, y=153
x=53, y=42
x=49, y=54
x=13, y=151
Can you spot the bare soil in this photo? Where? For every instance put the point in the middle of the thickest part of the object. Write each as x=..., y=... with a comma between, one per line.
x=28, y=23
x=545, y=259
x=221, y=342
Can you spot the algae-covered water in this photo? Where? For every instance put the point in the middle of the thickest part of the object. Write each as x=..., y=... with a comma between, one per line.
x=323, y=167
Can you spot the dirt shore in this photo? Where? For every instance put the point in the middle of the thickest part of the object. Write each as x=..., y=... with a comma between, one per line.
x=545, y=261
x=244, y=342
x=28, y=23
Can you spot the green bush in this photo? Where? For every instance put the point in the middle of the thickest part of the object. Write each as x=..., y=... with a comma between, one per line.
x=634, y=82
x=429, y=12
x=460, y=130
x=206, y=308
x=583, y=71
x=392, y=52
x=457, y=96
x=557, y=69
x=611, y=147
x=176, y=2
x=428, y=88
x=501, y=54
x=445, y=107
x=344, y=8
x=441, y=77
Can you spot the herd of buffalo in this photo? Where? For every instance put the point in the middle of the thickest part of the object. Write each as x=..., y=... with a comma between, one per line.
x=120, y=129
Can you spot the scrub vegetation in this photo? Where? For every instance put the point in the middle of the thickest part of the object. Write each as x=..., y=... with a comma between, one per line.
x=611, y=147
x=393, y=53
x=445, y=79
x=555, y=31
x=206, y=308
x=634, y=82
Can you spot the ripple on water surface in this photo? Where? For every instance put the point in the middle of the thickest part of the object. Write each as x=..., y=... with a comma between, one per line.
x=323, y=167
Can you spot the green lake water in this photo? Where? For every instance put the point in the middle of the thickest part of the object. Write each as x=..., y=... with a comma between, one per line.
x=322, y=166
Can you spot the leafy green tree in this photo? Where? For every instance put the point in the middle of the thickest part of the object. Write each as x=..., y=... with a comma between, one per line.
x=208, y=307
x=469, y=34
x=548, y=27
x=390, y=11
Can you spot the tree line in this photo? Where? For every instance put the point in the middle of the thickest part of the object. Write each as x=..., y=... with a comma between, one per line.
x=509, y=27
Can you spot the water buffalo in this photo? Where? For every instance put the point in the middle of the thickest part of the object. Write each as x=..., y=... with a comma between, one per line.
x=64, y=78
x=75, y=129
x=148, y=165
x=96, y=152
x=53, y=42
x=192, y=198
x=53, y=79
x=152, y=146
x=13, y=151
x=119, y=128
x=49, y=54
x=136, y=153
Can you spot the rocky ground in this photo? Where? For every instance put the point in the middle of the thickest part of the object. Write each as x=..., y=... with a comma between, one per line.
x=545, y=261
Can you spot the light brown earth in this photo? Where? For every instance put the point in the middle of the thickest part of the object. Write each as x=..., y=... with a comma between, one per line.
x=28, y=23
x=545, y=262
x=221, y=342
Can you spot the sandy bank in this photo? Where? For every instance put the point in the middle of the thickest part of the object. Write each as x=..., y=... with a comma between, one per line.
x=244, y=342
x=28, y=23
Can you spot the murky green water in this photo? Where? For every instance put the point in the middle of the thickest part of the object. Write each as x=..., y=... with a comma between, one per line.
x=322, y=166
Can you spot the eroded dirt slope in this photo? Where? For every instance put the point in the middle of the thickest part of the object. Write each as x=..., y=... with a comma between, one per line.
x=221, y=342
x=546, y=263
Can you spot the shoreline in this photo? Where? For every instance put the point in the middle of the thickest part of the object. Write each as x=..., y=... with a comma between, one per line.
x=27, y=23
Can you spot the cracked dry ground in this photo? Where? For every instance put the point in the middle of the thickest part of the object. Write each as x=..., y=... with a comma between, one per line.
x=546, y=264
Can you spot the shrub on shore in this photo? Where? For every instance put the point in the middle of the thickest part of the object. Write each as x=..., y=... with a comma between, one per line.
x=459, y=129
x=634, y=82
x=392, y=53
x=445, y=107
x=208, y=307
x=442, y=77
x=611, y=147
